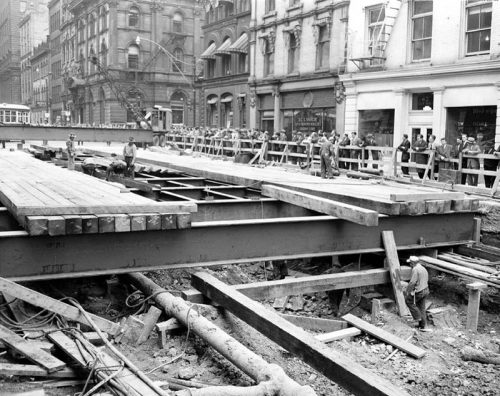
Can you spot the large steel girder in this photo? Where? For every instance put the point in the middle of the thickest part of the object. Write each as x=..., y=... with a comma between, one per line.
x=222, y=242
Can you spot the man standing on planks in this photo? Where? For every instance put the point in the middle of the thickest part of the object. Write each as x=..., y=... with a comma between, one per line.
x=327, y=153
x=70, y=147
x=417, y=291
x=129, y=154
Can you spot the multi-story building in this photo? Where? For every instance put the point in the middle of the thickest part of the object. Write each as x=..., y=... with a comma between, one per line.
x=10, y=70
x=225, y=69
x=146, y=51
x=297, y=50
x=57, y=106
x=33, y=29
x=423, y=67
x=40, y=76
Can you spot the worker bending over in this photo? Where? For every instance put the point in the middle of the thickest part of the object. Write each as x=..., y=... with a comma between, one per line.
x=129, y=154
x=117, y=167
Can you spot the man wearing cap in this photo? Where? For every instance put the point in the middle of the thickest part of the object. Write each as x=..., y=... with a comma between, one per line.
x=472, y=148
x=116, y=166
x=417, y=291
x=129, y=154
x=70, y=147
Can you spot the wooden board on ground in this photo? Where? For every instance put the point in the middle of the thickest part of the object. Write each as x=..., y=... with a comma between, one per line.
x=385, y=336
x=315, y=324
x=391, y=252
x=348, y=332
x=330, y=207
x=412, y=196
x=30, y=370
x=334, y=365
x=30, y=351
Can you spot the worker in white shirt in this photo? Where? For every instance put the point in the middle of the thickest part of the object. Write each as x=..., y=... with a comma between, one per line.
x=417, y=291
x=129, y=155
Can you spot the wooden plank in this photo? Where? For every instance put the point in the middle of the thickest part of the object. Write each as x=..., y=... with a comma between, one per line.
x=435, y=206
x=183, y=220
x=42, y=301
x=334, y=365
x=106, y=223
x=30, y=370
x=168, y=221
x=122, y=223
x=315, y=324
x=90, y=224
x=391, y=253
x=310, y=284
x=421, y=196
x=56, y=225
x=341, y=210
x=153, y=222
x=150, y=320
x=412, y=208
x=137, y=222
x=473, y=304
x=339, y=334
x=37, y=225
x=73, y=224
x=30, y=351
x=478, y=251
x=385, y=336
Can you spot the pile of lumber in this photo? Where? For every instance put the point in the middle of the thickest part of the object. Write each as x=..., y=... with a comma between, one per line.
x=474, y=269
x=47, y=200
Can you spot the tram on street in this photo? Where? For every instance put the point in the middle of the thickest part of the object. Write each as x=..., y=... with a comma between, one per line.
x=14, y=114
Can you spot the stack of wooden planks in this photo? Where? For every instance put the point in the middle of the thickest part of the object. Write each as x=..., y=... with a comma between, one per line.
x=47, y=200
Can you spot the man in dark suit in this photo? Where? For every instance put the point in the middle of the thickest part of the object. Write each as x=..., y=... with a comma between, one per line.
x=420, y=145
x=443, y=155
x=404, y=147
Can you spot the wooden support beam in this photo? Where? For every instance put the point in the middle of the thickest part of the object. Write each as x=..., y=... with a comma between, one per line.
x=153, y=222
x=476, y=233
x=122, y=223
x=334, y=365
x=327, y=206
x=149, y=323
x=183, y=220
x=391, y=252
x=168, y=221
x=43, y=301
x=37, y=225
x=90, y=224
x=30, y=351
x=73, y=224
x=308, y=284
x=385, y=336
x=348, y=332
x=473, y=305
x=424, y=196
x=56, y=225
x=106, y=223
x=315, y=324
x=137, y=222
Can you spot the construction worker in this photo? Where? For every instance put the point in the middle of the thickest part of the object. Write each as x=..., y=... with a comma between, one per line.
x=327, y=153
x=129, y=154
x=117, y=166
x=70, y=147
x=417, y=291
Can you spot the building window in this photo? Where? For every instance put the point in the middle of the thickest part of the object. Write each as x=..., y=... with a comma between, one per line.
x=133, y=17
x=210, y=68
x=177, y=23
x=242, y=63
x=478, y=32
x=244, y=5
x=178, y=60
x=268, y=59
x=376, y=31
x=92, y=61
x=104, y=53
x=293, y=3
x=421, y=29
x=92, y=25
x=226, y=65
x=212, y=116
x=422, y=101
x=133, y=57
x=103, y=15
x=323, y=47
x=270, y=6
x=293, y=54
x=177, y=104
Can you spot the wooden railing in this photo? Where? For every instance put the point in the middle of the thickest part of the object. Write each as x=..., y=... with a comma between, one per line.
x=387, y=159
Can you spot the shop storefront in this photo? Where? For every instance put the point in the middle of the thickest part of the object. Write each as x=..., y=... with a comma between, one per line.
x=474, y=121
x=380, y=123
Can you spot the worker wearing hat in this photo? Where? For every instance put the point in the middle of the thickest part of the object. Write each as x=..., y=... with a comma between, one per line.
x=472, y=148
x=130, y=154
x=70, y=148
x=417, y=291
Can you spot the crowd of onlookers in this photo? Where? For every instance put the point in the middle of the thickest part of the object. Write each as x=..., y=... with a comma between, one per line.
x=350, y=145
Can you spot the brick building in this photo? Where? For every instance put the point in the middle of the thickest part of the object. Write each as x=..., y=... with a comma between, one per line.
x=298, y=49
x=225, y=70
x=39, y=62
x=10, y=67
x=147, y=49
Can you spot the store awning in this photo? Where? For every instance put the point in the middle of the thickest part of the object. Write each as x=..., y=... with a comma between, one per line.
x=209, y=52
x=223, y=49
x=228, y=98
x=240, y=45
x=212, y=100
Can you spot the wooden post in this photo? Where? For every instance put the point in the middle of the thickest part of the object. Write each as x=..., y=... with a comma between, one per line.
x=395, y=271
x=476, y=233
x=473, y=306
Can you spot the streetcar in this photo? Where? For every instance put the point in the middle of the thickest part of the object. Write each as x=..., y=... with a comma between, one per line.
x=14, y=114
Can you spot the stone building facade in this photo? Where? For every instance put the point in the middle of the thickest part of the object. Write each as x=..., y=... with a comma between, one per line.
x=147, y=50
x=56, y=103
x=224, y=66
x=10, y=67
x=423, y=67
x=298, y=49
x=40, y=61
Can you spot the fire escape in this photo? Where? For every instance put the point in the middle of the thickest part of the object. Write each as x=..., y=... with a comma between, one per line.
x=381, y=23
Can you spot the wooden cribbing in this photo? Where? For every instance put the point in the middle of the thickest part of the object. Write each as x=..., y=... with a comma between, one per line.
x=30, y=351
x=330, y=207
x=385, y=336
x=391, y=252
x=334, y=365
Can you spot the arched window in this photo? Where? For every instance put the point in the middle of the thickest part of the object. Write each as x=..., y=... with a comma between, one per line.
x=92, y=22
x=133, y=57
x=91, y=108
x=212, y=110
x=81, y=31
x=103, y=16
x=104, y=53
x=178, y=106
x=91, y=58
x=293, y=52
x=102, y=100
x=178, y=60
x=82, y=62
x=133, y=17
x=177, y=23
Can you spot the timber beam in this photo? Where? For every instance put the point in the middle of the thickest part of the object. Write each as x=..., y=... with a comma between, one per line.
x=220, y=242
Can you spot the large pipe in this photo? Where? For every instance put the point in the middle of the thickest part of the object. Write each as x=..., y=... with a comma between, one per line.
x=246, y=360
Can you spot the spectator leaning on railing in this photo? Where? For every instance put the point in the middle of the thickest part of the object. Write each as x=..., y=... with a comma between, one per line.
x=489, y=163
x=472, y=148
